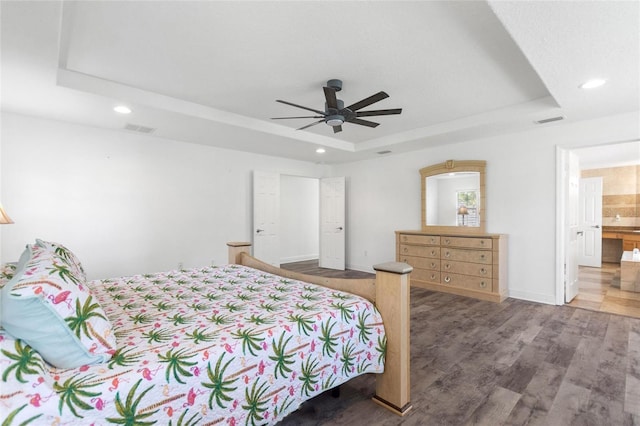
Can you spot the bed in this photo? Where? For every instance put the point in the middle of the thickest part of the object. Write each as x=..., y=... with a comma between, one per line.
x=244, y=343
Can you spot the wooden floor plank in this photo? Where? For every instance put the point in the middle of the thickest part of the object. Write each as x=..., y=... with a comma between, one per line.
x=513, y=363
x=599, y=291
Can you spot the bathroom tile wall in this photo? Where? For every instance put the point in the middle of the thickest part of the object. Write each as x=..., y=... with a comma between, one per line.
x=621, y=194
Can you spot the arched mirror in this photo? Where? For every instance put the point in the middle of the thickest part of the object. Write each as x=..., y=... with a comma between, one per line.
x=453, y=197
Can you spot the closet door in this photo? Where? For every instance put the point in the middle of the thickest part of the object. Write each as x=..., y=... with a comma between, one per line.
x=332, y=223
x=266, y=216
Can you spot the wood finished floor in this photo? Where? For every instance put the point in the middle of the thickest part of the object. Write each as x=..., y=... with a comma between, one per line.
x=600, y=291
x=311, y=267
x=513, y=363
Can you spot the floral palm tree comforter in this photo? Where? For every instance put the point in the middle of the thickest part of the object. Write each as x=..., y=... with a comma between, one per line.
x=228, y=345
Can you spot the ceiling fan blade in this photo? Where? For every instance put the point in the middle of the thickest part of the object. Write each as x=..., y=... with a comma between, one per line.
x=363, y=122
x=312, y=124
x=330, y=96
x=300, y=106
x=378, y=112
x=287, y=118
x=368, y=101
x=337, y=129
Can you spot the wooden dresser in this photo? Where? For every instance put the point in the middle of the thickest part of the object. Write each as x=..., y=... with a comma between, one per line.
x=473, y=265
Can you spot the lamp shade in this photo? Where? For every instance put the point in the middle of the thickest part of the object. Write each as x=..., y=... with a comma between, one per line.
x=4, y=217
x=463, y=210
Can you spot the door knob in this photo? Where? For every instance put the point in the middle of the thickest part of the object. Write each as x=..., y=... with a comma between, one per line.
x=339, y=228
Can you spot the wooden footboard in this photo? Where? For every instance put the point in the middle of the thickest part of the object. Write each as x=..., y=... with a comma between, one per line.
x=390, y=293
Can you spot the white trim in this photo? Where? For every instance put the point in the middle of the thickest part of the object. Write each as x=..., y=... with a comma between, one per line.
x=532, y=297
x=561, y=161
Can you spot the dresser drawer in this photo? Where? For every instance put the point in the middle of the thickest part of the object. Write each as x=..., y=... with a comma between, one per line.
x=421, y=262
x=466, y=281
x=425, y=275
x=420, y=239
x=466, y=242
x=479, y=256
x=420, y=251
x=467, y=268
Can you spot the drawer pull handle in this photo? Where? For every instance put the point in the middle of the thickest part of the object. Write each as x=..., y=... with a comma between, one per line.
x=447, y=266
x=447, y=254
x=481, y=241
x=433, y=265
x=433, y=240
x=433, y=276
x=433, y=252
x=405, y=238
x=447, y=241
x=406, y=249
x=483, y=284
x=483, y=271
x=405, y=260
x=482, y=256
x=447, y=279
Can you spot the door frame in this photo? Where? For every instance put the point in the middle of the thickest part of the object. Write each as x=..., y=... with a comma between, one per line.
x=318, y=229
x=561, y=230
x=562, y=210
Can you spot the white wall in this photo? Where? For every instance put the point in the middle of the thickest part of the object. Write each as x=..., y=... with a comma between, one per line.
x=299, y=218
x=384, y=196
x=126, y=203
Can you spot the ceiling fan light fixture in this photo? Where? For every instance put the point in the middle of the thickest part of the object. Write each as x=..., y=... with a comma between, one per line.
x=335, y=120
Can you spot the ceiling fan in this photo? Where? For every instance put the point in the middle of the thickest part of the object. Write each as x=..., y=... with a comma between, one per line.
x=335, y=114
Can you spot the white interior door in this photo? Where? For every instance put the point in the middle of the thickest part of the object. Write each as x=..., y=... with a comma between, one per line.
x=590, y=249
x=332, y=223
x=574, y=234
x=266, y=216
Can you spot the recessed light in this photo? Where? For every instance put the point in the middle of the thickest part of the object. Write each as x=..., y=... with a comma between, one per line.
x=593, y=83
x=321, y=150
x=122, y=109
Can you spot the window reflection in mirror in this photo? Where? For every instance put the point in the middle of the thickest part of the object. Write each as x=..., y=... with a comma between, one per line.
x=452, y=199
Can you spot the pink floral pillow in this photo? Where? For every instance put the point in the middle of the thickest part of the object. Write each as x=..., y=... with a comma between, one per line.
x=47, y=305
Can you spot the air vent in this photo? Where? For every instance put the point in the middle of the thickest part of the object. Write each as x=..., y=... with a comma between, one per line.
x=383, y=152
x=138, y=128
x=549, y=120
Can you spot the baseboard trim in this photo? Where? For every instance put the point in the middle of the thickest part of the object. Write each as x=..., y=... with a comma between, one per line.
x=548, y=299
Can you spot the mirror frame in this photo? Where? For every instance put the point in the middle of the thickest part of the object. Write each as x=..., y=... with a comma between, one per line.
x=453, y=166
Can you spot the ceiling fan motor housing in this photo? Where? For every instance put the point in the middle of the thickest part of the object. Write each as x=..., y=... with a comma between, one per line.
x=340, y=105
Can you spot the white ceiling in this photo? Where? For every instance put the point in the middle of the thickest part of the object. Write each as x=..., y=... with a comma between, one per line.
x=209, y=72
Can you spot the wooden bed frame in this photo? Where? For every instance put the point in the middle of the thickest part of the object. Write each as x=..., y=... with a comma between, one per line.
x=389, y=291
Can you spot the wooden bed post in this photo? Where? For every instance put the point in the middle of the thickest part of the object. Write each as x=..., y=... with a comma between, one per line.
x=236, y=249
x=393, y=389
